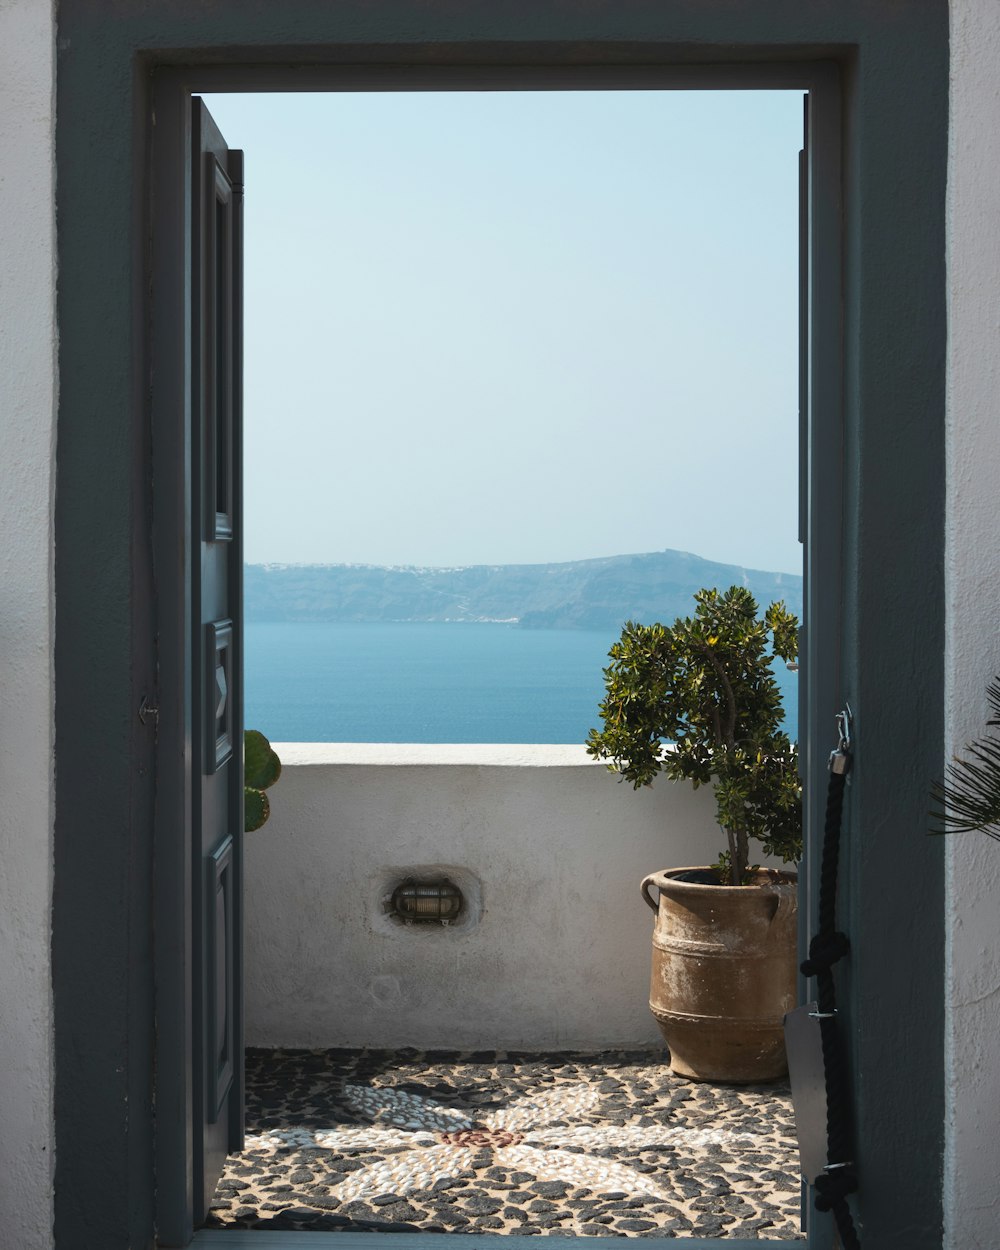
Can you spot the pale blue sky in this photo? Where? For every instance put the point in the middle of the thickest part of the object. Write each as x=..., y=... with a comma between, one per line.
x=520, y=326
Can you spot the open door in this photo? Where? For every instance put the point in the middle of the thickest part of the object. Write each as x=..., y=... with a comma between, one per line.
x=217, y=652
x=196, y=454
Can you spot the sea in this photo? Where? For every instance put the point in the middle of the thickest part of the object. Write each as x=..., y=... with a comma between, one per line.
x=449, y=682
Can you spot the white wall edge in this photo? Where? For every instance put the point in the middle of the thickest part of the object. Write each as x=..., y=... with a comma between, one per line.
x=972, y=648
x=28, y=404
x=472, y=754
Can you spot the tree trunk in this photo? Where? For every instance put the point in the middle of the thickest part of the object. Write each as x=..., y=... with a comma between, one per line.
x=739, y=856
x=742, y=856
x=734, y=853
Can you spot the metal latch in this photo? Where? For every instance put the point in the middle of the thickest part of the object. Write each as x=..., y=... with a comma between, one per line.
x=146, y=709
x=840, y=759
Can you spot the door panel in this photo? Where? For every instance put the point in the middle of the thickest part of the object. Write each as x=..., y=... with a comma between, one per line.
x=220, y=1038
x=217, y=661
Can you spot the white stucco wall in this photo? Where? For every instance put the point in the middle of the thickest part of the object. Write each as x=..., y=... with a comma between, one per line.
x=560, y=955
x=27, y=422
x=972, y=1162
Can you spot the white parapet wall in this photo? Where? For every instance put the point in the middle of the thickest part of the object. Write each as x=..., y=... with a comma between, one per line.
x=553, y=949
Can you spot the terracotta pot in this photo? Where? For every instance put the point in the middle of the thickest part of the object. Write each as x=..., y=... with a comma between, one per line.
x=724, y=973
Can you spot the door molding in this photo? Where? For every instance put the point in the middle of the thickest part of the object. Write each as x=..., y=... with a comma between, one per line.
x=121, y=111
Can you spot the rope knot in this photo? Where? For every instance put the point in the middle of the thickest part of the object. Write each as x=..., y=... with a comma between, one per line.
x=833, y=1188
x=824, y=951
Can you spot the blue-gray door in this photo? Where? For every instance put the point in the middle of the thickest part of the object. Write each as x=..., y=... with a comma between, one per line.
x=217, y=660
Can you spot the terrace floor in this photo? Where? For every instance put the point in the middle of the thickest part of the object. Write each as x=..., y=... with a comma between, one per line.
x=606, y=1144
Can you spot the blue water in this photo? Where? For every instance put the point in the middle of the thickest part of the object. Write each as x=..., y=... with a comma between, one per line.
x=427, y=682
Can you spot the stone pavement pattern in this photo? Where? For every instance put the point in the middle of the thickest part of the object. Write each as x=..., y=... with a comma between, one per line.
x=608, y=1144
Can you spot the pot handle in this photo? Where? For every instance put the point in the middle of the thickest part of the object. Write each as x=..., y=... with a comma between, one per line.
x=644, y=890
x=787, y=899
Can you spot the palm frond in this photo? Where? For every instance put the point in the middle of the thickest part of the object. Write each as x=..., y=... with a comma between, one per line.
x=969, y=797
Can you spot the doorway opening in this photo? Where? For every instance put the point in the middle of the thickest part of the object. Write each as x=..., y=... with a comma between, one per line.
x=520, y=367
x=656, y=374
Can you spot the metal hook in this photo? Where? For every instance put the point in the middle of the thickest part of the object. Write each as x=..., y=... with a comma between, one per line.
x=844, y=719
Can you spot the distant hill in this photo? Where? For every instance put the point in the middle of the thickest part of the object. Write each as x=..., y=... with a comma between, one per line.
x=580, y=594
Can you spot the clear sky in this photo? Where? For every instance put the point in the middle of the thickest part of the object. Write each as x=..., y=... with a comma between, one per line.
x=518, y=327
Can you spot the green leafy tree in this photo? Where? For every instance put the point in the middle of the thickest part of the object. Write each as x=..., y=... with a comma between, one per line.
x=261, y=769
x=706, y=686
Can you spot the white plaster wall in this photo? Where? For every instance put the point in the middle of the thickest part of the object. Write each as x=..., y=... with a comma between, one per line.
x=27, y=427
x=560, y=956
x=972, y=1159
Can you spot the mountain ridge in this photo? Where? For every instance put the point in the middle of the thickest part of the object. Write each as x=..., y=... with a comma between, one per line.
x=597, y=593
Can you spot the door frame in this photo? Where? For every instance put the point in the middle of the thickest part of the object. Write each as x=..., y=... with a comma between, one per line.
x=875, y=498
x=822, y=439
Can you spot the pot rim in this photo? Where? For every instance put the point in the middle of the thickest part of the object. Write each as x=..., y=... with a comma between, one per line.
x=766, y=879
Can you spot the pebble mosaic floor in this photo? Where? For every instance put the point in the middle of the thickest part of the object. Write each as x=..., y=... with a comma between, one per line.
x=608, y=1144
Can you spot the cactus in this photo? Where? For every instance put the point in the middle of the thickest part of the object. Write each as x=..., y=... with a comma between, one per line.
x=261, y=768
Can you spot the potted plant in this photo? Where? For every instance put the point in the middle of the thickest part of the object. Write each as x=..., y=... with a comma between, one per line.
x=698, y=701
x=261, y=769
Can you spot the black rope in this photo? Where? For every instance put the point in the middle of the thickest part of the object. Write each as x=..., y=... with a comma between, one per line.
x=839, y=1178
